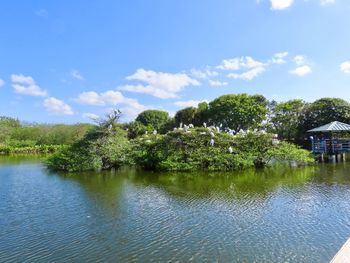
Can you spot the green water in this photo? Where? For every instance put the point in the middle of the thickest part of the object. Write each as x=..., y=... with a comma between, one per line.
x=272, y=215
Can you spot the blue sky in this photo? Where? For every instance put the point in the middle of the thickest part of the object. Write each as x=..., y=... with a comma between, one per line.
x=65, y=61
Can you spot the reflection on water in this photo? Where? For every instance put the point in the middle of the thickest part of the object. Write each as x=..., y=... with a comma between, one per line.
x=272, y=215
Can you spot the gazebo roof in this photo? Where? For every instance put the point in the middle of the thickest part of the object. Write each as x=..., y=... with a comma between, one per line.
x=335, y=126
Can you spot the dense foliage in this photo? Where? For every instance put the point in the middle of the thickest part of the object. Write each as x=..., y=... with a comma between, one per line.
x=285, y=118
x=206, y=149
x=104, y=147
x=323, y=111
x=37, y=138
x=238, y=111
x=96, y=151
x=154, y=118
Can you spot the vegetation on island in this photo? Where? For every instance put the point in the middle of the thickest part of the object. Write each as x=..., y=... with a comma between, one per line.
x=234, y=131
x=32, y=138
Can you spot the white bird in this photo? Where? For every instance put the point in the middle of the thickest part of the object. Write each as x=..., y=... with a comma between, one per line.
x=212, y=142
x=155, y=132
x=212, y=134
x=146, y=132
x=230, y=150
x=205, y=124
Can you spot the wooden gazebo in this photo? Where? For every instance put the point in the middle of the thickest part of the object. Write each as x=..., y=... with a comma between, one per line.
x=329, y=139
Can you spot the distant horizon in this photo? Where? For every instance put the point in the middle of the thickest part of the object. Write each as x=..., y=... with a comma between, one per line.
x=62, y=62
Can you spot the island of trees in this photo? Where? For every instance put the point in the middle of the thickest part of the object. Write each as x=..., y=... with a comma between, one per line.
x=233, y=131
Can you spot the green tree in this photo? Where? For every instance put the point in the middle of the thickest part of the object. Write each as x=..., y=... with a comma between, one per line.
x=202, y=114
x=7, y=126
x=104, y=147
x=324, y=111
x=238, y=111
x=285, y=118
x=185, y=116
x=154, y=118
x=136, y=129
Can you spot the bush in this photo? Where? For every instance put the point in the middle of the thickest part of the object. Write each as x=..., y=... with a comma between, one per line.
x=99, y=149
x=191, y=150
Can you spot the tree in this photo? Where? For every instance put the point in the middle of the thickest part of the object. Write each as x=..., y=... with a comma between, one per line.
x=202, y=114
x=285, y=118
x=154, y=118
x=7, y=126
x=324, y=111
x=238, y=111
x=185, y=116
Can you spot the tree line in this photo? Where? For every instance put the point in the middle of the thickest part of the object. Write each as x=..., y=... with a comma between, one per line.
x=290, y=120
x=237, y=112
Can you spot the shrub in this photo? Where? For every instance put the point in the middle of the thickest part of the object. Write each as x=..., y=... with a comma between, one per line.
x=99, y=149
x=191, y=150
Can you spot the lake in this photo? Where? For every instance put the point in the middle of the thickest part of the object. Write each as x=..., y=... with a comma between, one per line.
x=272, y=215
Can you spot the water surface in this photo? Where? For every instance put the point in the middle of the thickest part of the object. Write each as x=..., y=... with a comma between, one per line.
x=272, y=215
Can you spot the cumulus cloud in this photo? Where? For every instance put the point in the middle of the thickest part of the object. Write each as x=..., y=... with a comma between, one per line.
x=203, y=74
x=75, y=74
x=217, y=83
x=159, y=84
x=247, y=67
x=128, y=106
x=281, y=4
x=279, y=58
x=345, y=67
x=248, y=75
x=301, y=71
x=299, y=60
x=57, y=107
x=189, y=103
x=2, y=83
x=239, y=63
x=26, y=85
x=110, y=97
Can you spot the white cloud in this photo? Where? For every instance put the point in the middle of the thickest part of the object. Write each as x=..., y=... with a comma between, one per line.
x=90, y=116
x=301, y=71
x=299, y=60
x=217, y=83
x=109, y=97
x=327, y=2
x=345, y=67
x=75, y=74
x=21, y=79
x=248, y=75
x=129, y=107
x=280, y=4
x=2, y=82
x=42, y=13
x=189, y=103
x=239, y=63
x=279, y=58
x=159, y=84
x=203, y=74
x=57, y=107
x=26, y=85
